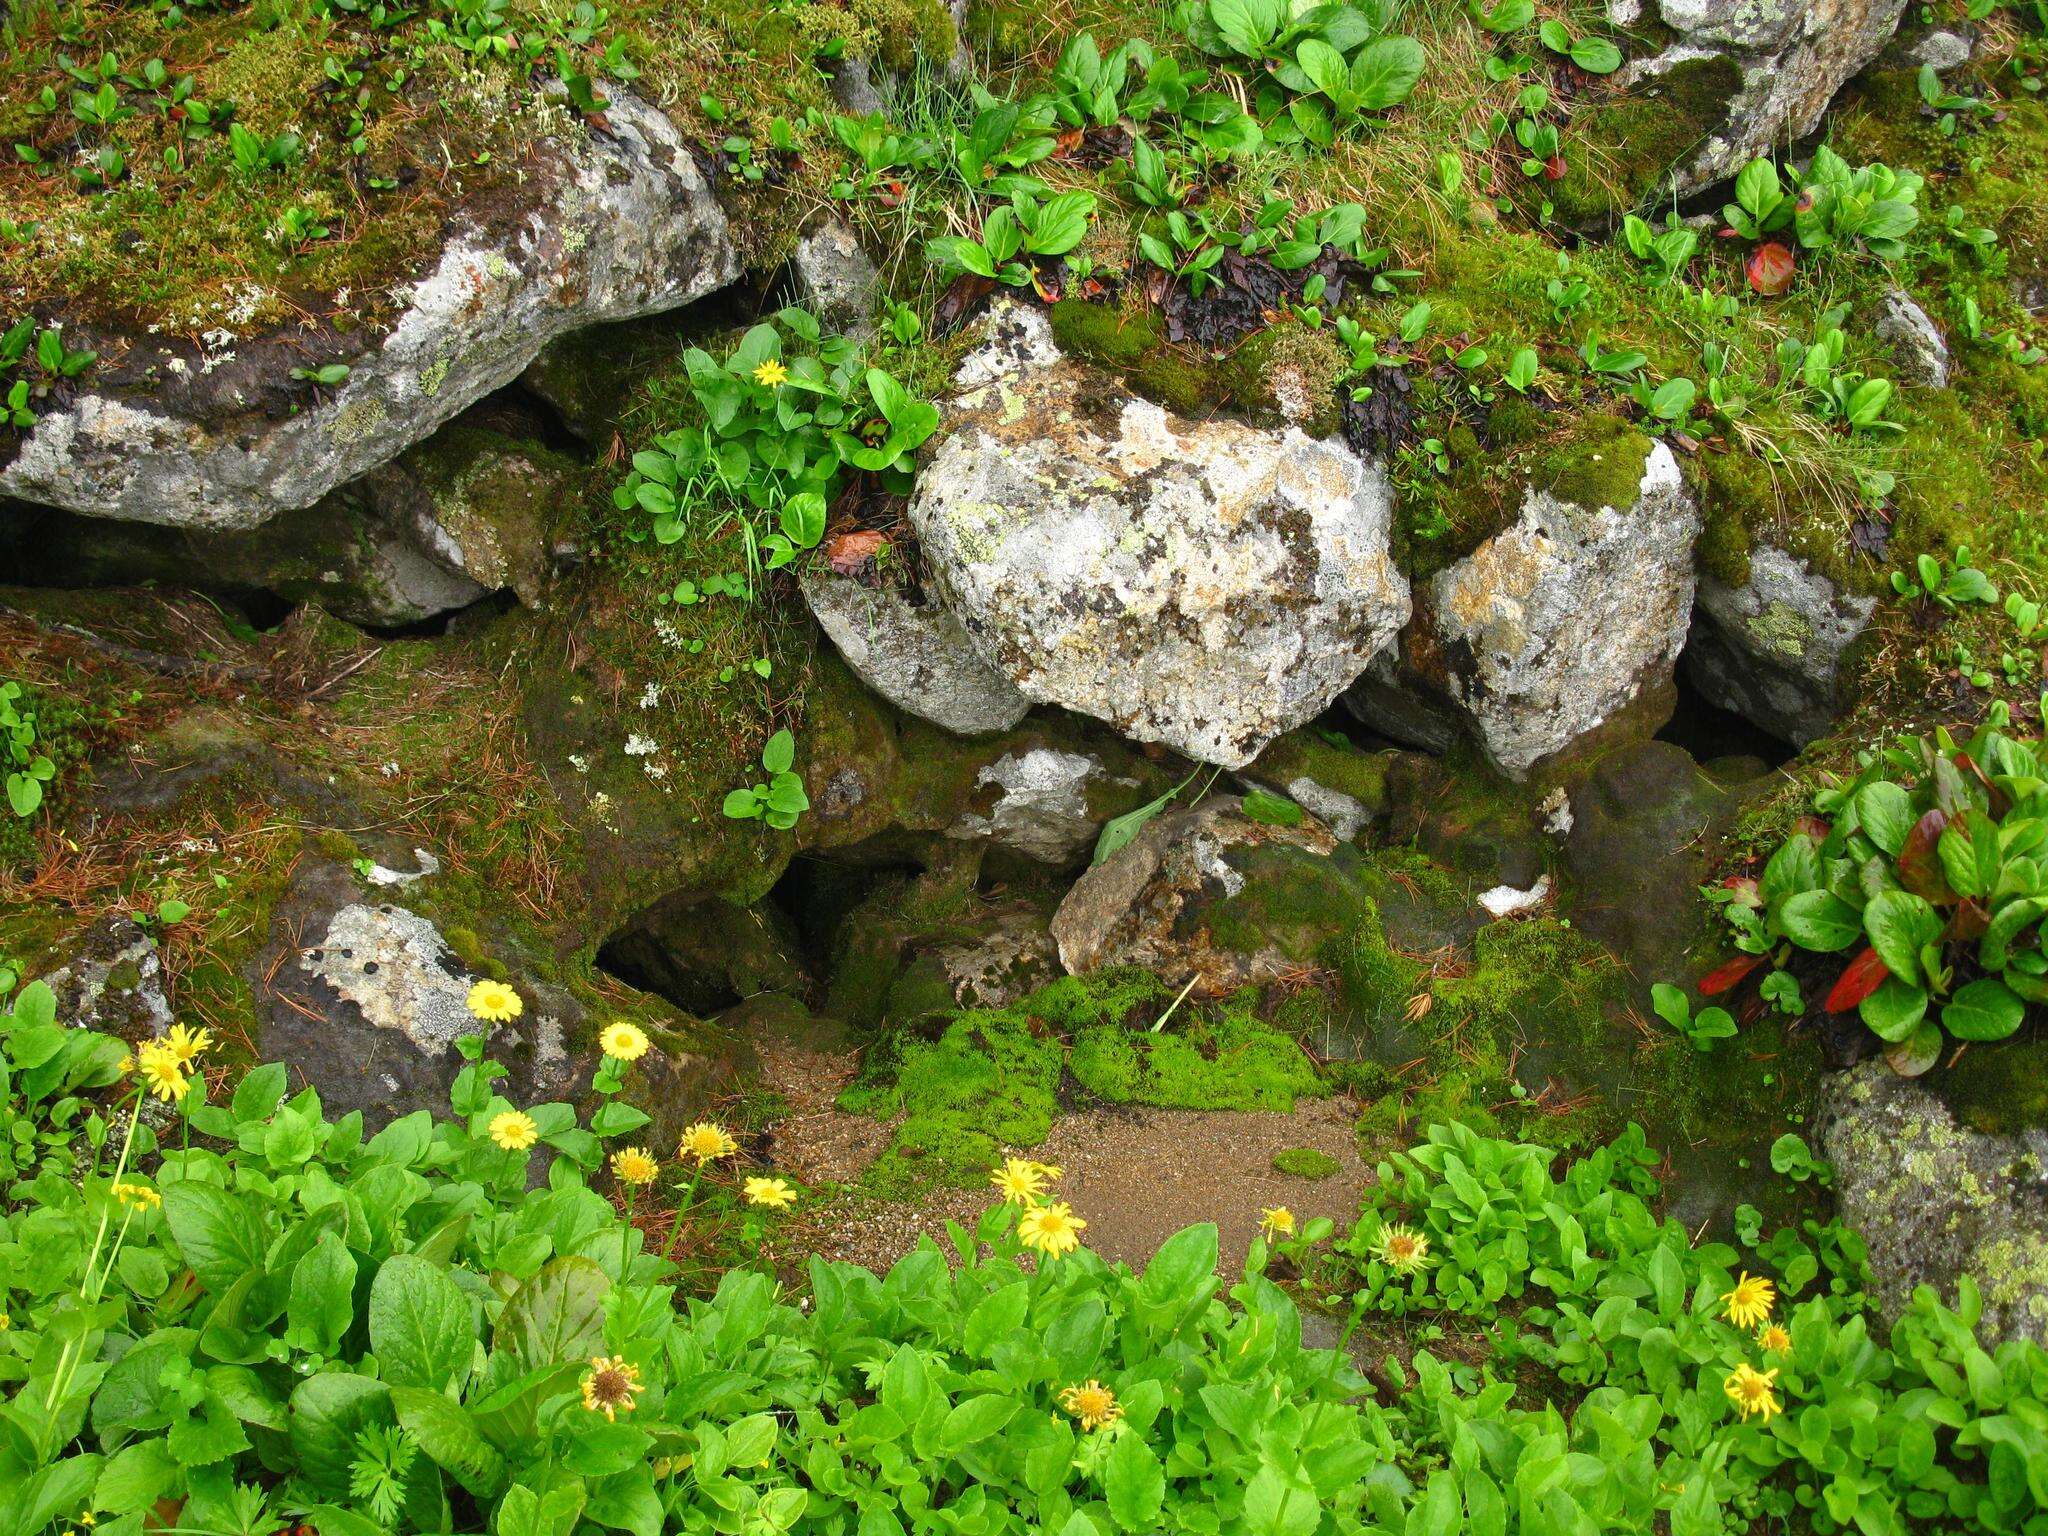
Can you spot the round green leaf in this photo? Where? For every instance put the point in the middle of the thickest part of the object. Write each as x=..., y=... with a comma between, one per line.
x=1984, y=1010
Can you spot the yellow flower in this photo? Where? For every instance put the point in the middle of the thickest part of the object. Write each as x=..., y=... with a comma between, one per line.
x=774, y=1193
x=126, y=1064
x=772, y=374
x=1752, y=1391
x=610, y=1386
x=634, y=1165
x=1021, y=1181
x=186, y=1044
x=706, y=1142
x=1276, y=1221
x=1092, y=1403
x=623, y=1041
x=1051, y=1229
x=1401, y=1249
x=6, y=1322
x=1774, y=1340
x=1751, y=1301
x=162, y=1073
x=137, y=1194
x=514, y=1130
x=494, y=1001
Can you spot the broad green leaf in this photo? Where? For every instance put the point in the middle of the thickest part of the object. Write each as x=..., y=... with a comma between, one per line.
x=1820, y=920
x=1986, y=1009
x=1899, y=923
x=1134, y=1484
x=558, y=1315
x=422, y=1327
x=1385, y=72
x=217, y=1232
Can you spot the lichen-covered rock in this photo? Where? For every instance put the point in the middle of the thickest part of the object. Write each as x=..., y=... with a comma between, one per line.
x=1040, y=804
x=1208, y=896
x=1791, y=57
x=617, y=223
x=112, y=980
x=1207, y=585
x=915, y=656
x=1772, y=649
x=1935, y=1201
x=446, y=523
x=1558, y=624
x=1915, y=340
x=834, y=278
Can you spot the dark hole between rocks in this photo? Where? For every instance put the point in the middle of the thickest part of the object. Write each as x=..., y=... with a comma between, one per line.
x=1707, y=731
x=455, y=621
x=819, y=895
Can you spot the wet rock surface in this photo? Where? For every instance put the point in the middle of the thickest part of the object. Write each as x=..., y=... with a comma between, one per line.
x=1773, y=650
x=915, y=656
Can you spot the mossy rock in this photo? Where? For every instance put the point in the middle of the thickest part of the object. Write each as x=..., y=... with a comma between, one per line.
x=1306, y=1163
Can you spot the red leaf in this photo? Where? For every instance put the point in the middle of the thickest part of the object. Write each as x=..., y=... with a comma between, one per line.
x=1554, y=168
x=1770, y=269
x=848, y=552
x=1723, y=977
x=1920, y=868
x=1860, y=977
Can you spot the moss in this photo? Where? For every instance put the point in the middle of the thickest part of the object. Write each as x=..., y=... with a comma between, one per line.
x=1132, y=344
x=1305, y=1163
x=1287, y=371
x=905, y=30
x=2000, y=1090
x=1617, y=152
x=1599, y=463
x=1231, y=1061
x=1736, y=495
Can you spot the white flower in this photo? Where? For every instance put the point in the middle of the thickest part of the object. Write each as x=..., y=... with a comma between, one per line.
x=641, y=746
x=650, y=696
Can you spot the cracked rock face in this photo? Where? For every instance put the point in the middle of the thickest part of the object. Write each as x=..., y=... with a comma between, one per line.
x=1184, y=899
x=1041, y=807
x=918, y=658
x=1936, y=1200
x=1916, y=341
x=1207, y=585
x=1556, y=624
x=1792, y=57
x=622, y=224
x=1772, y=649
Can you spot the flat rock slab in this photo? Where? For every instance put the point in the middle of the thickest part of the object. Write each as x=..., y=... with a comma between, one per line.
x=1137, y=1176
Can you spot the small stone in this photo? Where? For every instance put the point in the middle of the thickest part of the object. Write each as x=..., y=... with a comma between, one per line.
x=918, y=658
x=1345, y=815
x=1772, y=650
x=834, y=278
x=1915, y=341
x=1041, y=806
x=1506, y=901
x=1943, y=50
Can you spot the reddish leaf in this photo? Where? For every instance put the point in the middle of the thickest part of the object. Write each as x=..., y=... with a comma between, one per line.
x=1920, y=864
x=1813, y=827
x=1723, y=977
x=1744, y=887
x=848, y=552
x=1860, y=977
x=1770, y=269
x=1553, y=168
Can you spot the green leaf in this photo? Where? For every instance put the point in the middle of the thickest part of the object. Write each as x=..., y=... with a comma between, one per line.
x=1596, y=55
x=216, y=1231
x=1275, y=1507
x=1820, y=920
x=1134, y=1484
x=1894, y=1010
x=322, y=1299
x=1385, y=72
x=780, y=752
x=558, y=1315
x=1984, y=1010
x=1899, y=923
x=328, y=1412
x=1885, y=813
x=1274, y=810
x=445, y=1432
x=1324, y=66
x=422, y=1327
x=1184, y=1262
x=975, y=1419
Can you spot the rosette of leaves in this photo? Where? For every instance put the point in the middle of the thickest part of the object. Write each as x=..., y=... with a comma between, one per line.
x=781, y=799
x=1321, y=68
x=1930, y=877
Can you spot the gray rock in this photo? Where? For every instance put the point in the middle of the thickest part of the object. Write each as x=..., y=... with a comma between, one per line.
x=918, y=658
x=834, y=278
x=1935, y=1200
x=1791, y=56
x=113, y=981
x=621, y=224
x=1012, y=956
x=1391, y=704
x=1944, y=50
x=1345, y=815
x=1558, y=622
x=1041, y=804
x=1152, y=902
x=1207, y=585
x=1772, y=649
x=1915, y=341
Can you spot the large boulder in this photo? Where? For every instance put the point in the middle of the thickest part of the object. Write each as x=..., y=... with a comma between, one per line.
x=1772, y=649
x=1209, y=899
x=612, y=223
x=1785, y=59
x=1207, y=585
x=1567, y=622
x=1936, y=1200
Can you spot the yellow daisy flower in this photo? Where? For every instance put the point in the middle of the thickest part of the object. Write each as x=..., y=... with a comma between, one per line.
x=514, y=1130
x=1750, y=1303
x=623, y=1041
x=773, y=1193
x=634, y=1165
x=1401, y=1249
x=1753, y=1391
x=495, y=1002
x=1092, y=1403
x=706, y=1142
x=1051, y=1229
x=186, y=1044
x=126, y=1064
x=1276, y=1221
x=1774, y=1340
x=611, y=1386
x=1021, y=1180
x=772, y=374
x=137, y=1194
x=162, y=1073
